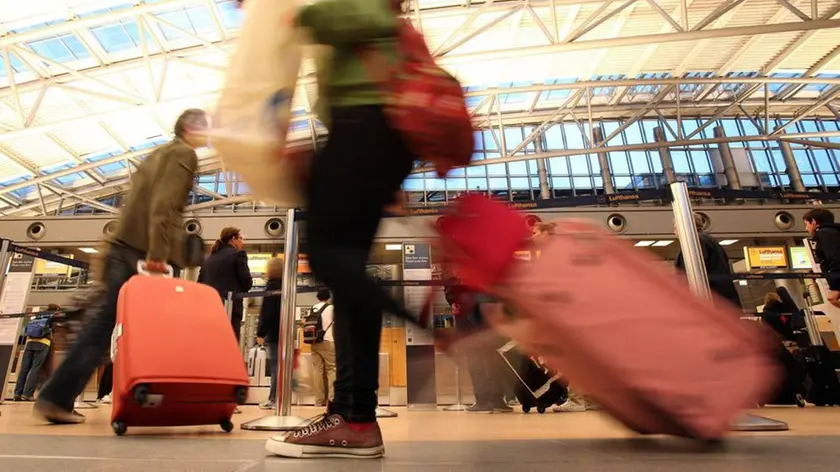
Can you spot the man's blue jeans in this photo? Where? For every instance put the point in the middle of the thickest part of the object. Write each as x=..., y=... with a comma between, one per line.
x=94, y=341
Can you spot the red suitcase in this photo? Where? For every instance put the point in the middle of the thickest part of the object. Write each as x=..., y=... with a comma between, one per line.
x=629, y=333
x=176, y=359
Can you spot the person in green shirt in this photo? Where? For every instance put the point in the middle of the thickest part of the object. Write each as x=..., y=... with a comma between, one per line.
x=352, y=180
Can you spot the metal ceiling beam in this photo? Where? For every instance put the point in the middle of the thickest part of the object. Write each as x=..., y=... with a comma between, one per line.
x=644, y=39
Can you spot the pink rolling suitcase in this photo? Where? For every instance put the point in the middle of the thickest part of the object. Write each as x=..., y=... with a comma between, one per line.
x=625, y=331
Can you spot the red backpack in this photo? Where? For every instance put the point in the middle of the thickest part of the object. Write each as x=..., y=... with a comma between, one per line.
x=425, y=104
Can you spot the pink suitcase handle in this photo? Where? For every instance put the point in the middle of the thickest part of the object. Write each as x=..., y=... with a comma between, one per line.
x=141, y=270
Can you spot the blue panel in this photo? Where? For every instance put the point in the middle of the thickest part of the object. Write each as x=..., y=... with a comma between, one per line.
x=177, y=18
x=701, y=161
x=563, y=183
x=412, y=184
x=111, y=168
x=579, y=166
x=456, y=184
x=518, y=168
x=640, y=162
x=201, y=19
x=477, y=184
x=232, y=16
x=618, y=163
x=553, y=138
x=574, y=139
x=113, y=38
x=497, y=169
x=69, y=179
x=14, y=181
x=53, y=49
x=21, y=193
x=476, y=171
x=520, y=183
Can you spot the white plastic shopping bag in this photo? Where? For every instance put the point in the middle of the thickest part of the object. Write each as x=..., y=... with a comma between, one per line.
x=255, y=108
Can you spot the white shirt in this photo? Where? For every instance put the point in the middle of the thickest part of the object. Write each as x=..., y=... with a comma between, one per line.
x=326, y=320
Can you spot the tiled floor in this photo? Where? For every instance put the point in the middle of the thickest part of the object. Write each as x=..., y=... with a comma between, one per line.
x=427, y=441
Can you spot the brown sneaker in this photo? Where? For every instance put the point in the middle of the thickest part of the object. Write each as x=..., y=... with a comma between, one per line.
x=48, y=412
x=329, y=436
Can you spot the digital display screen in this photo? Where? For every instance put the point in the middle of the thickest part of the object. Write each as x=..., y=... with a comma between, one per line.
x=799, y=259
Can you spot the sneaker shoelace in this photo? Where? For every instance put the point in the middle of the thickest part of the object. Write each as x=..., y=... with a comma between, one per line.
x=317, y=425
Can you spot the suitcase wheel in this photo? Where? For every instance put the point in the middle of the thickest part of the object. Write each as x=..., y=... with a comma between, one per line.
x=227, y=425
x=141, y=394
x=526, y=409
x=241, y=395
x=119, y=428
x=541, y=409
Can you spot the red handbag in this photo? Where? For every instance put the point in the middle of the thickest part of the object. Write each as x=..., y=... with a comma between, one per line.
x=425, y=104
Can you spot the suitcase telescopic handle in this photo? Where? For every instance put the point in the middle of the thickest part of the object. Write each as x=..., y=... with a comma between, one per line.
x=169, y=272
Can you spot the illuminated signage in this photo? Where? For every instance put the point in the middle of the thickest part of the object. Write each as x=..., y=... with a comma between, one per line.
x=766, y=257
x=799, y=258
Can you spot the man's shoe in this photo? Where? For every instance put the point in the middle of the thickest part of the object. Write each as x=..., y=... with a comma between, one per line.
x=48, y=412
x=18, y=398
x=106, y=400
x=267, y=406
x=330, y=436
x=26, y=398
x=478, y=408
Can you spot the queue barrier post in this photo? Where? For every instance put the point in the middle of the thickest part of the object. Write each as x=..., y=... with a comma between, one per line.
x=698, y=280
x=282, y=419
x=458, y=405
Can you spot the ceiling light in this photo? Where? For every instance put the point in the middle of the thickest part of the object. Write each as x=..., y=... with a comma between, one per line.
x=645, y=243
x=728, y=242
x=88, y=250
x=662, y=243
x=393, y=247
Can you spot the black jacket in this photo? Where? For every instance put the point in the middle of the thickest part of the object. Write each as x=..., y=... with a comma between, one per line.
x=269, y=325
x=827, y=252
x=717, y=263
x=226, y=270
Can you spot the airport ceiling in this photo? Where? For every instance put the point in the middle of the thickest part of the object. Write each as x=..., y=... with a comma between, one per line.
x=88, y=87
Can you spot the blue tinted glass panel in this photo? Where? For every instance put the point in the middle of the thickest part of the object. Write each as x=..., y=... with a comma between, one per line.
x=490, y=141
x=574, y=139
x=477, y=184
x=113, y=38
x=558, y=166
x=802, y=161
x=634, y=134
x=459, y=172
x=201, y=19
x=75, y=46
x=623, y=183
x=69, y=179
x=823, y=160
x=513, y=136
x=518, y=168
x=701, y=161
x=520, y=183
x=496, y=169
x=498, y=184
x=53, y=49
x=476, y=171
x=563, y=183
x=456, y=184
x=594, y=164
x=618, y=163
x=810, y=180
x=680, y=160
x=830, y=180
x=579, y=165
x=232, y=16
x=640, y=162
x=553, y=138
x=112, y=167
x=582, y=183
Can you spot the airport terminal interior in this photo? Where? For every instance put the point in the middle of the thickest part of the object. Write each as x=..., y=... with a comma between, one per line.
x=594, y=109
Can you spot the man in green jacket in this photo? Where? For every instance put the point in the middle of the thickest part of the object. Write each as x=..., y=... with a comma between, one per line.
x=351, y=182
x=149, y=228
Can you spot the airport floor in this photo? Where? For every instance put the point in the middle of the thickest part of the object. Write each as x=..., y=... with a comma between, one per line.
x=425, y=441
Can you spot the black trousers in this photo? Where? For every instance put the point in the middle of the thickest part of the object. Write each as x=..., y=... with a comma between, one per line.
x=352, y=179
x=94, y=340
x=106, y=382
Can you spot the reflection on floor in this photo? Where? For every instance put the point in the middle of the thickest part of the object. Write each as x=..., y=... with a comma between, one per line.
x=428, y=441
